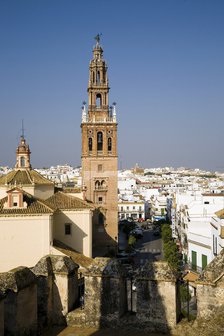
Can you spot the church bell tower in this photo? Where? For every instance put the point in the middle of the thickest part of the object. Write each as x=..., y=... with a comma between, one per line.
x=99, y=153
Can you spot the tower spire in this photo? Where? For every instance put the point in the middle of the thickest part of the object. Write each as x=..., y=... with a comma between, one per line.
x=22, y=135
x=23, y=152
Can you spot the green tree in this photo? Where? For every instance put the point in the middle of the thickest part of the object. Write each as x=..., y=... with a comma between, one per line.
x=131, y=240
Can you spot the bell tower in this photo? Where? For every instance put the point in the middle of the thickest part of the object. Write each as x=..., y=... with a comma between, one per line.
x=99, y=153
x=23, y=154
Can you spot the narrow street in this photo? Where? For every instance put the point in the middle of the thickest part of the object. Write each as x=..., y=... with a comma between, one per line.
x=149, y=247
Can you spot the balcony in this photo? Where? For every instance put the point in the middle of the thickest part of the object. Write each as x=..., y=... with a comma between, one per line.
x=101, y=188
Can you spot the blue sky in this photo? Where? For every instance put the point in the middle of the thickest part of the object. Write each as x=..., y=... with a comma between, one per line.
x=166, y=73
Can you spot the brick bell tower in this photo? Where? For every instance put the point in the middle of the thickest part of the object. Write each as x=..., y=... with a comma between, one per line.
x=99, y=154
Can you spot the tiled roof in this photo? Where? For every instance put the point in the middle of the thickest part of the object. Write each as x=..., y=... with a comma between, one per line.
x=190, y=276
x=220, y=214
x=24, y=177
x=66, y=202
x=72, y=190
x=77, y=257
x=34, y=206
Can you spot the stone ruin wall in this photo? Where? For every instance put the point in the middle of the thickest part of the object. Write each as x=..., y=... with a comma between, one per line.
x=158, y=306
x=48, y=294
x=210, y=296
x=106, y=297
x=33, y=299
x=210, y=287
x=105, y=287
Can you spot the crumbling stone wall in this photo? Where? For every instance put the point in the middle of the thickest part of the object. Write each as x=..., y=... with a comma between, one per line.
x=157, y=297
x=19, y=286
x=210, y=287
x=57, y=280
x=31, y=299
x=209, y=298
x=105, y=301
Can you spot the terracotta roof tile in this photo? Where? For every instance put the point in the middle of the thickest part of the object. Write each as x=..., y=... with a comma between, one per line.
x=34, y=206
x=63, y=201
x=220, y=214
x=24, y=177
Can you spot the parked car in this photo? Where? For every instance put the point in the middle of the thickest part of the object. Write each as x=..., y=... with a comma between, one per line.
x=156, y=232
x=138, y=233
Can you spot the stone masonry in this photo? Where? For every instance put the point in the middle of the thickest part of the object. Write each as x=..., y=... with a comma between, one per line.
x=33, y=299
x=210, y=287
x=158, y=306
x=20, y=288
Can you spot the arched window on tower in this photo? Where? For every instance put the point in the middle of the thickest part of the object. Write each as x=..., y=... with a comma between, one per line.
x=90, y=144
x=98, y=100
x=93, y=77
x=22, y=162
x=98, y=77
x=109, y=144
x=97, y=184
x=99, y=141
x=103, y=184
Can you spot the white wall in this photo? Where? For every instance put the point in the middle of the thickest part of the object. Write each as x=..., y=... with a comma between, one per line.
x=24, y=240
x=39, y=191
x=80, y=238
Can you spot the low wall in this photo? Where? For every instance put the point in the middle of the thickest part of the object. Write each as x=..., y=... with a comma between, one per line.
x=32, y=299
x=158, y=306
x=19, y=286
x=105, y=301
x=210, y=296
x=210, y=287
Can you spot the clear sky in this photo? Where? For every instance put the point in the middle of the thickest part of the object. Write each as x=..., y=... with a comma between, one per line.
x=166, y=72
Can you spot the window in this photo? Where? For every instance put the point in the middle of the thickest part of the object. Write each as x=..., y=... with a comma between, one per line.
x=206, y=202
x=127, y=207
x=109, y=144
x=194, y=260
x=204, y=261
x=214, y=245
x=98, y=100
x=90, y=144
x=122, y=208
x=140, y=208
x=97, y=184
x=15, y=200
x=103, y=184
x=100, y=167
x=99, y=141
x=22, y=161
x=98, y=77
x=100, y=200
x=67, y=229
x=133, y=207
